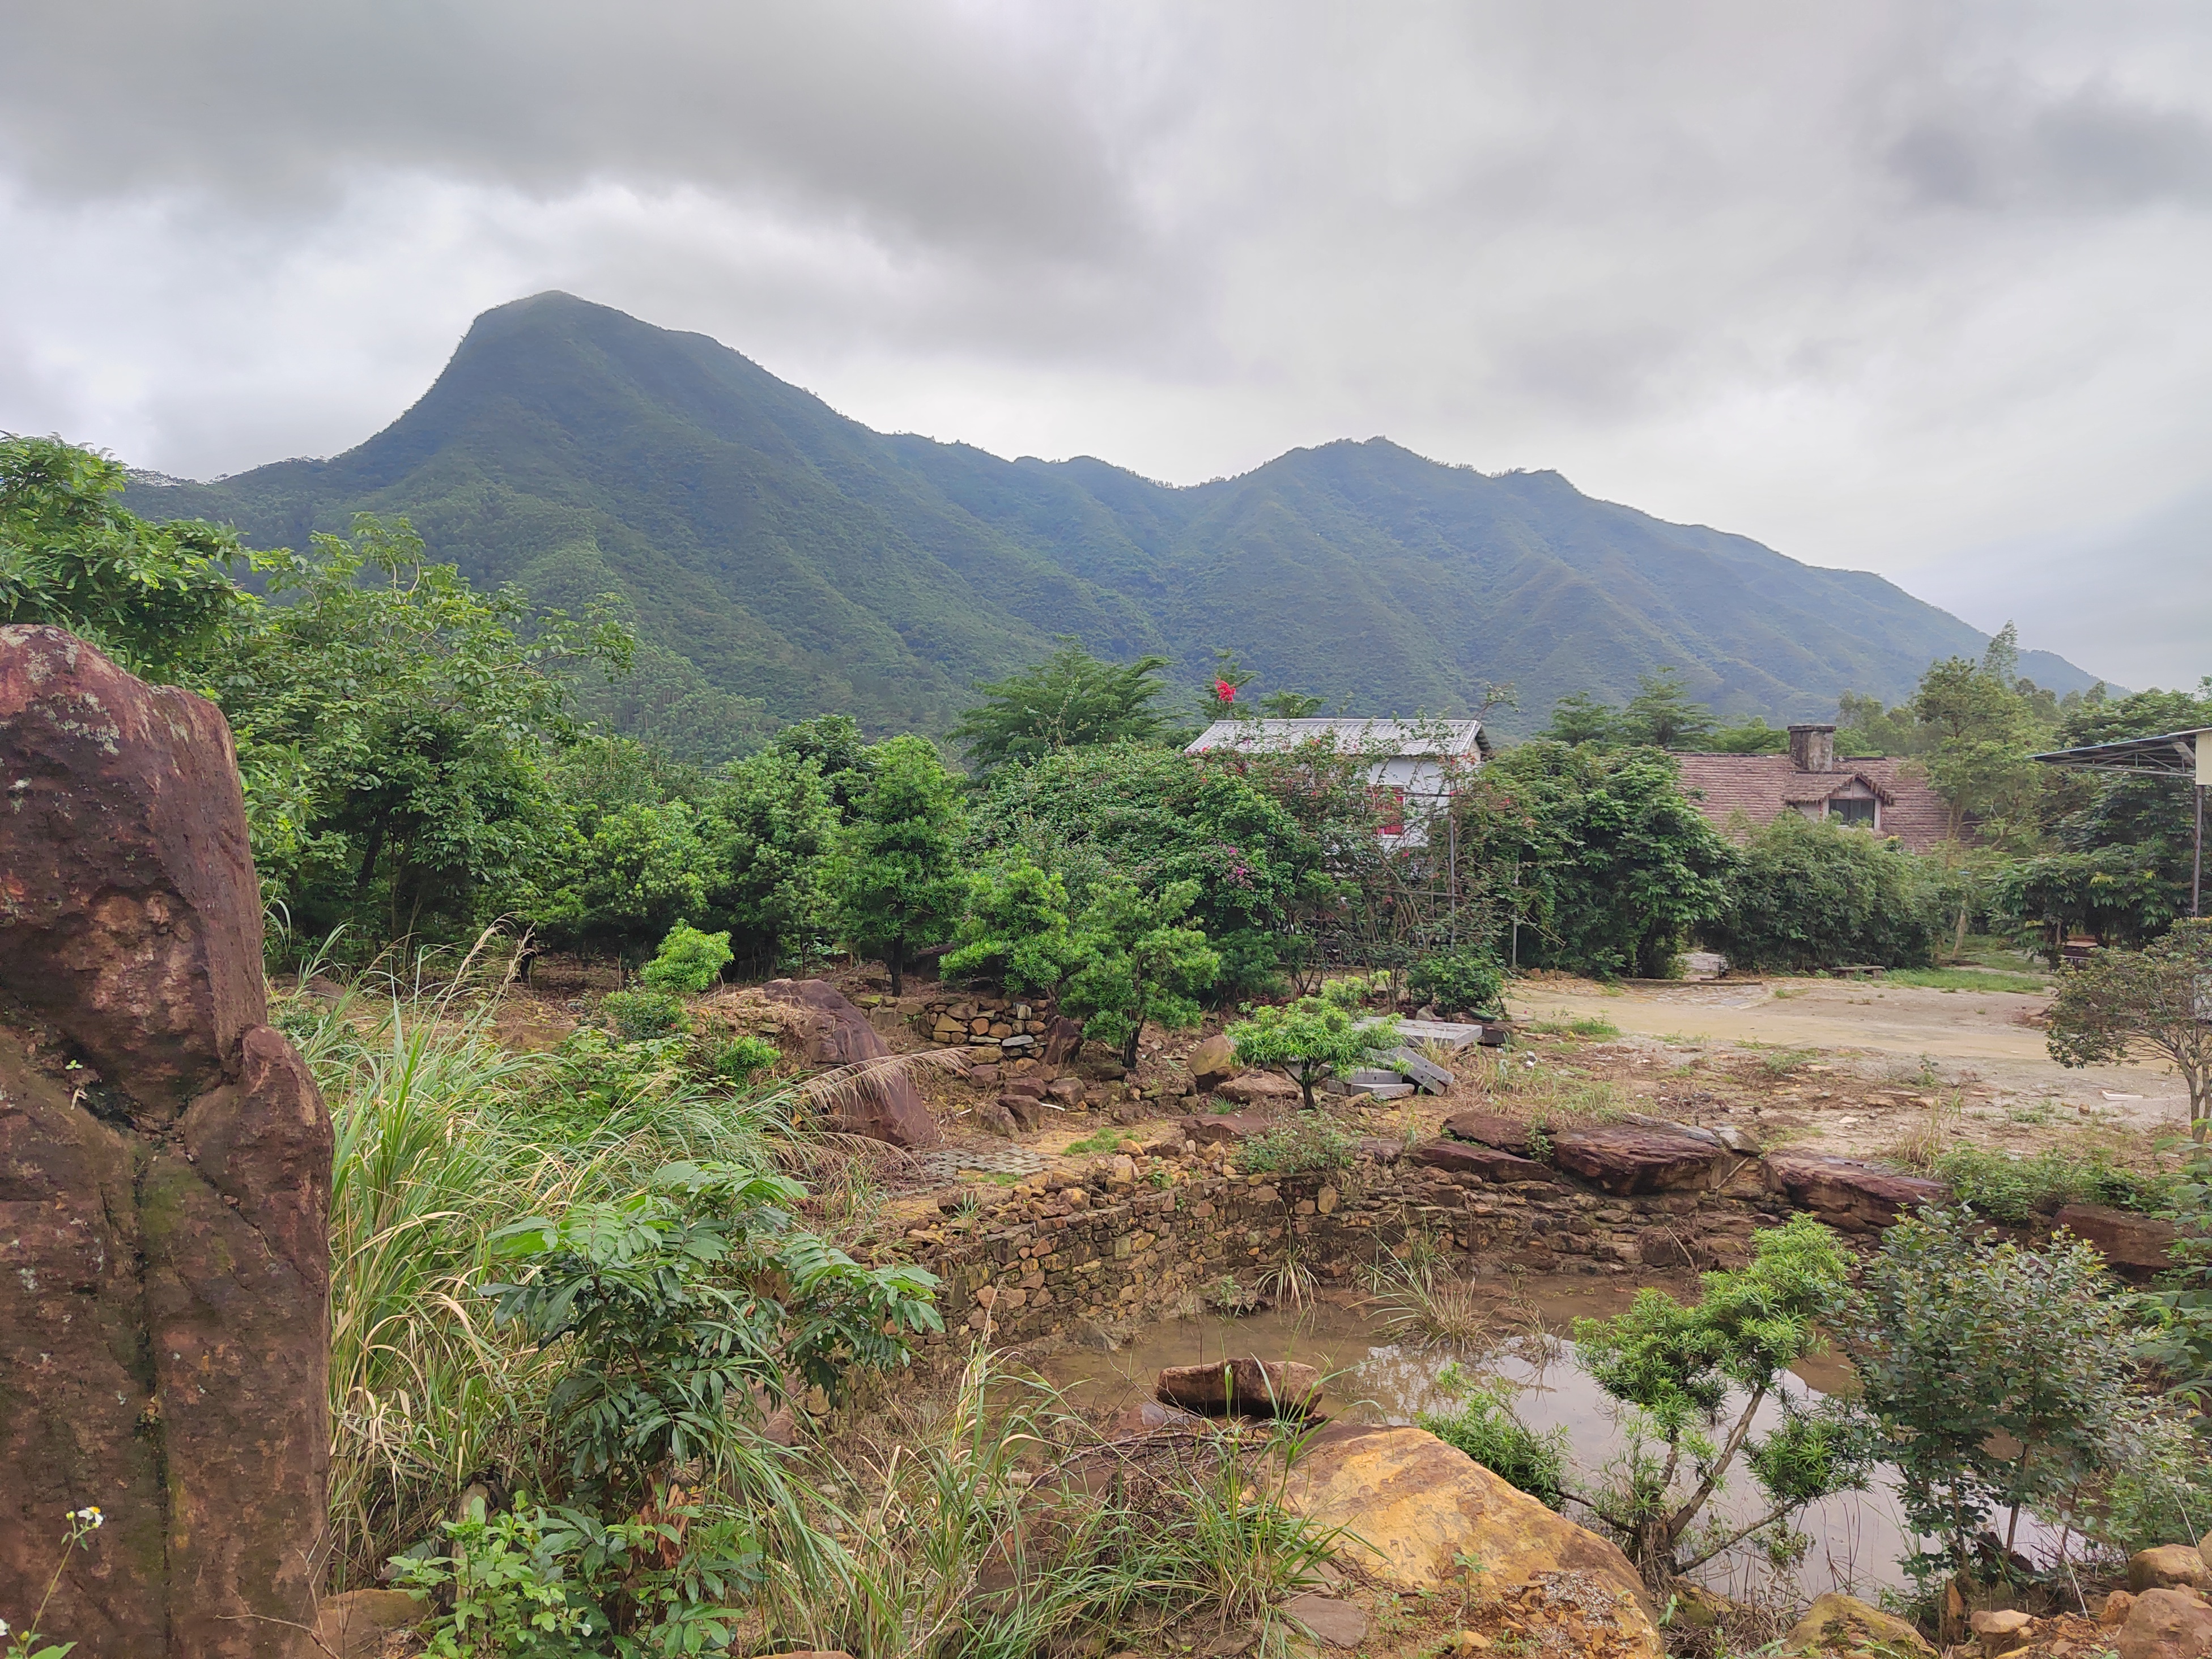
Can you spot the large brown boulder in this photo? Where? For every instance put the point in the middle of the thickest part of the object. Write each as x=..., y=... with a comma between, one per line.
x=879, y=1100
x=1627, y=1160
x=2166, y=1624
x=1839, y=1625
x=1212, y=1063
x=2140, y=1243
x=1508, y=1134
x=1465, y=1157
x=1415, y=1510
x=165, y=1170
x=1847, y=1193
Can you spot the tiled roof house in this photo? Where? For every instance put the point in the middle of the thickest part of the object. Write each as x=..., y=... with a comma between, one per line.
x=1880, y=795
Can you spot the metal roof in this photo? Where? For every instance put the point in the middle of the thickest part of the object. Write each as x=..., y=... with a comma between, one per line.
x=1372, y=737
x=2174, y=754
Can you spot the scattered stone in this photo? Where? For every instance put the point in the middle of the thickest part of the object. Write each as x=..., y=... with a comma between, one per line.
x=1212, y=1063
x=2142, y=1242
x=1625, y=1161
x=1261, y=1089
x=2166, y=1624
x=1209, y=1129
x=881, y=1102
x=2115, y=1609
x=1339, y=1624
x=2001, y=1630
x=354, y=1625
x=1249, y=1387
x=2168, y=1566
x=1842, y=1624
x=1062, y=1037
x=992, y=1118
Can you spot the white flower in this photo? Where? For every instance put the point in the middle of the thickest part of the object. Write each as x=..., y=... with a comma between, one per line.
x=3, y=1626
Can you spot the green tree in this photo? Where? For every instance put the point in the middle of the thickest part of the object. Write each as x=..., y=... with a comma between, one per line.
x=1662, y=714
x=622, y=883
x=1580, y=718
x=1069, y=701
x=392, y=726
x=688, y=961
x=1313, y=1036
x=840, y=754
x=1141, y=962
x=1688, y=1370
x=1981, y=731
x=1864, y=728
x=2156, y=1002
x=1615, y=867
x=899, y=881
x=1805, y=894
x=157, y=597
x=1016, y=928
x=773, y=830
x=2002, y=1377
x=1753, y=737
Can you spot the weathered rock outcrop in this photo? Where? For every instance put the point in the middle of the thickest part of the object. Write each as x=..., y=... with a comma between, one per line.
x=1469, y=1157
x=2140, y=1243
x=1625, y=1161
x=1847, y=1193
x=1839, y=1625
x=1420, y=1509
x=881, y=1102
x=165, y=1168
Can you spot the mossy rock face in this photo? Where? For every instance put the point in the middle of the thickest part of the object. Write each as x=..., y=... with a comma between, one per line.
x=1843, y=1628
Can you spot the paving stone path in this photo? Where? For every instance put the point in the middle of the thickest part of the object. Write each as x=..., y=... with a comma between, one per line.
x=993, y=1160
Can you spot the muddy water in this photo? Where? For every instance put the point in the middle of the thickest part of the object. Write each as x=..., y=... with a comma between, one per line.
x=1857, y=1537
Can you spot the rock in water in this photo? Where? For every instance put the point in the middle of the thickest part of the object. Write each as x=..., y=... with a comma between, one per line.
x=1256, y=1388
x=881, y=1102
x=165, y=1170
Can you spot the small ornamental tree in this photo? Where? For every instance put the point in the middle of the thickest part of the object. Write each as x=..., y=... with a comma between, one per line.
x=2002, y=1378
x=2154, y=1001
x=900, y=885
x=1680, y=1366
x=1016, y=929
x=1142, y=962
x=688, y=960
x=1313, y=1036
x=1069, y=701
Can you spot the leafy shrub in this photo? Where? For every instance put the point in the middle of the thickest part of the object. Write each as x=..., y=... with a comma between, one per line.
x=1308, y=1143
x=504, y=1587
x=742, y=1056
x=1806, y=894
x=1459, y=981
x=1484, y=1426
x=639, y=1016
x=1015, y=929
x=2015, y=1191
x=1314, y=1035
x=688, y=960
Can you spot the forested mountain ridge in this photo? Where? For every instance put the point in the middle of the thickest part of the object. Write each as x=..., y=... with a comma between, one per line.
x=783, y=560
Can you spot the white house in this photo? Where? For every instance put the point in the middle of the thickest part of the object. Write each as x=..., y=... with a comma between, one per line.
x=1415, y=761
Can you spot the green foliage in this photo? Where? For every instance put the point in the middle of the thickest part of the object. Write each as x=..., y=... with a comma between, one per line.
x=1678, y=1366
x=671, y=1333
x=2017, y=1190
x=640, y=1016
x=1615, y=867
x=833, y=743
x=688, y=960
x=1660, y=716
x=1016, y=929
x=1984, y=722
x=392, y=725
x=1069, y=701
x=2179, y=1340
x=2001, y=1377
x=1468, y=981
x=1753, y=737
x=899, y=881
x=1484, y=1425
x=156, y=596
x=1308, y=1143
x=1312, y=1036
x=772, y=824
x=2149, y=1002
x=1142, y=962
x=501, y=1587
x=739, y=1059
x=1805, y=894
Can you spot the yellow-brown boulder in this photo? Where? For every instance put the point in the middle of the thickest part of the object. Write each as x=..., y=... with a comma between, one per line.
x=1842, y=1625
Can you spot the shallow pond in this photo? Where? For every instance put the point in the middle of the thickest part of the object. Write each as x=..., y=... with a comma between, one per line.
x=1857, y=1537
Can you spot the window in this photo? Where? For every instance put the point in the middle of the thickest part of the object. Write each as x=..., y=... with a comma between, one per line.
x=1859, y=814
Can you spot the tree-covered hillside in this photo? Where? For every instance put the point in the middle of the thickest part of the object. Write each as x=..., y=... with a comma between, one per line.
x=783, y=561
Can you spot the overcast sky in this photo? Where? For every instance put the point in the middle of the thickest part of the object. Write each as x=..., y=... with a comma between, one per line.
x=1902, y=285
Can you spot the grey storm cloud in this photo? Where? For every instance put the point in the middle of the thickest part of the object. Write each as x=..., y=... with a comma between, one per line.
x=1888, y=285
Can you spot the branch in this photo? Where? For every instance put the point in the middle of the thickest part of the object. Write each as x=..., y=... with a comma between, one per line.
x=1766, y=1520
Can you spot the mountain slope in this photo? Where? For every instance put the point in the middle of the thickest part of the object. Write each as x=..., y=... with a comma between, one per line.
x=784, y=560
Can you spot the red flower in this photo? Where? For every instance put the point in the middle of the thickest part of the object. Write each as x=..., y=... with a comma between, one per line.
x=1224, y=691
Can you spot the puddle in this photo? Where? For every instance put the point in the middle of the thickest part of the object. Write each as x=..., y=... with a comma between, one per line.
x=1857, y=1537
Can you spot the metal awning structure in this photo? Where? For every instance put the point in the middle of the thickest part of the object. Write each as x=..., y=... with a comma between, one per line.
x=2183, y=757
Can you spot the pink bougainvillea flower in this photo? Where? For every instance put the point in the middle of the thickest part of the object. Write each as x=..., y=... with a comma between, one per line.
x=1224, y=691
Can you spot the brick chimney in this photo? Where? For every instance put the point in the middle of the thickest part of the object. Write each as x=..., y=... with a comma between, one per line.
x=1812, y=748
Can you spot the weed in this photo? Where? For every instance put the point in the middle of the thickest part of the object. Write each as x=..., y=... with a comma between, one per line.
x=1307, y=1143
x=1788, y=1062
x=638, y=1016
x=78, y=1526
x=1290, y=1283
x=1967, y=979
x=1484, y=1426
x=1594, y=1029
x=2015, y=1190
x=1430, y=1303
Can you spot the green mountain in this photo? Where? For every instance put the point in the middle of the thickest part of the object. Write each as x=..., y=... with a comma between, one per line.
x=783, y=560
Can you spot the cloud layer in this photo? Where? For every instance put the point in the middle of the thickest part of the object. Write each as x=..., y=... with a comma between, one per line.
x=1907, y=286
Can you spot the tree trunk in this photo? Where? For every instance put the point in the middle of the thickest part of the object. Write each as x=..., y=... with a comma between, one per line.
x=895, y=959
x=1129, y=1048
